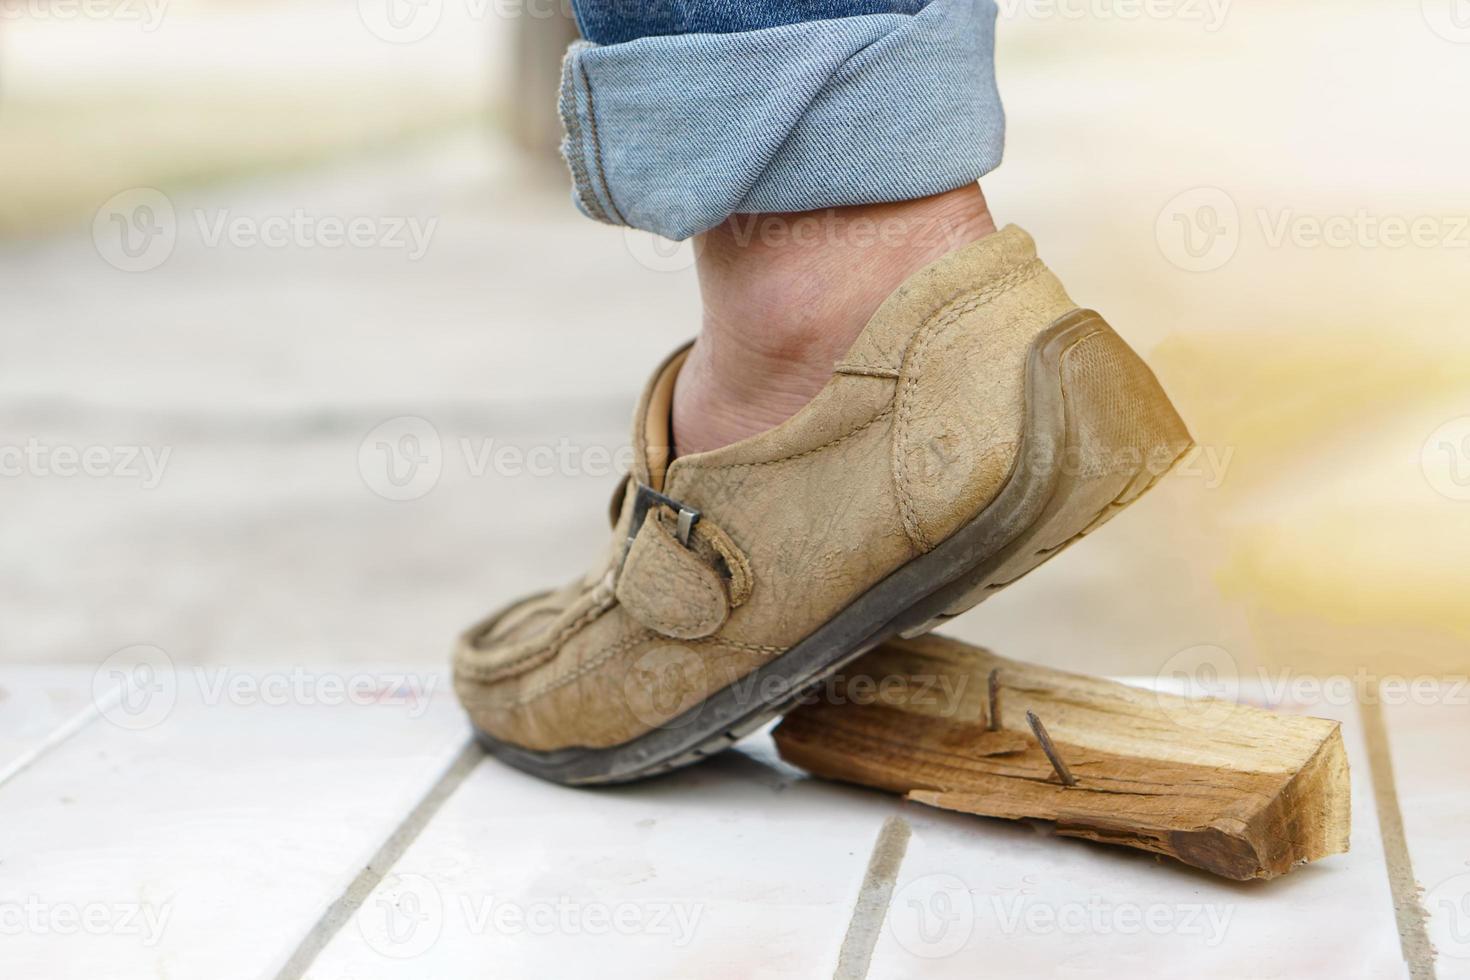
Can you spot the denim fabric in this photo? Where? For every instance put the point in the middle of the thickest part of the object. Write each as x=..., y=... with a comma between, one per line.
x=675, y=134
x=616, y=21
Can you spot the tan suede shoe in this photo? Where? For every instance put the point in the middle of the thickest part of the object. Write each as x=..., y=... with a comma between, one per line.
x=979, y=424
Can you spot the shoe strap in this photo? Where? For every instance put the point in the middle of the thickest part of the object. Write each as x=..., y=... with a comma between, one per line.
x=681, y=575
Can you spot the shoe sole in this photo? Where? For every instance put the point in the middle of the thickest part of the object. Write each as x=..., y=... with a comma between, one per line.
x=1108, y=416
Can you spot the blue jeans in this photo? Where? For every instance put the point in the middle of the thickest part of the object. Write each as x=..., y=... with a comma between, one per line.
x=618, y=21
x=681, y=113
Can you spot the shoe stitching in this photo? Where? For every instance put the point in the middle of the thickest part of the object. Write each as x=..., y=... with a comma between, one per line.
x=738, y=645
x=542, y=690
x=742, y=580
x=546, y=687
x=707, y=468
x=865, y=370
x=926, y=333
x=601, y=603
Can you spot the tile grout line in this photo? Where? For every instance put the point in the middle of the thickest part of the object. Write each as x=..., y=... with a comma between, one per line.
x=340, y=912
x=1408, y=912
x=871, y=909
x=59, y=736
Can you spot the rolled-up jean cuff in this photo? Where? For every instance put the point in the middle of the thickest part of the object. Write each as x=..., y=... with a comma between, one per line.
x=675, y=134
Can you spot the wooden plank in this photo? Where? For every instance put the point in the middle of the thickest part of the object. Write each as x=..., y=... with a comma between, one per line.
x=204, y=834
x=1426, y=724
x=983, y=897
x=1241, y=792
x=737, y=868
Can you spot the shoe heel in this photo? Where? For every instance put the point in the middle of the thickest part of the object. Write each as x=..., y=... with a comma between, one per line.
x=1119, y=436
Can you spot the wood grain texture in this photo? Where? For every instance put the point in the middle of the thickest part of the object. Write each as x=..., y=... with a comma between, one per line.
x=1235, y=790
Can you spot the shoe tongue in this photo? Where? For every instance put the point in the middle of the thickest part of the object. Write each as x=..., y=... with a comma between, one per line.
x=965, y=270
x=653, y=433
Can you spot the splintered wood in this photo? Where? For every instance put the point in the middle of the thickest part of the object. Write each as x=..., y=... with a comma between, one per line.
x=1233, y=789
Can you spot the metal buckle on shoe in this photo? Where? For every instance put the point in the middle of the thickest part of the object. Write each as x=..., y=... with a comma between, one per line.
x=645, y=499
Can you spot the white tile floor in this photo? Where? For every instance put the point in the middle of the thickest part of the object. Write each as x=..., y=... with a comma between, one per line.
x=179, y=828
x=192, y=822
x=254, y=835
x=1431, y=769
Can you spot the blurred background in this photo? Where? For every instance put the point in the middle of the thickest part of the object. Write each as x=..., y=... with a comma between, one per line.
x=306, y=357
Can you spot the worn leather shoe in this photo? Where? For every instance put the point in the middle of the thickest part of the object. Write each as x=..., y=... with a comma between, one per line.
x=980, y=424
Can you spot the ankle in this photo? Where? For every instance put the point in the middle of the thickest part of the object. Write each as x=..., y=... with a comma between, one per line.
x=800, y=283
x=785, y=296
